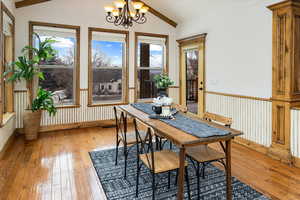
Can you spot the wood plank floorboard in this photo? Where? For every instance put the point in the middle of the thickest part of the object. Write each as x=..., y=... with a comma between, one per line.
x=57, y=167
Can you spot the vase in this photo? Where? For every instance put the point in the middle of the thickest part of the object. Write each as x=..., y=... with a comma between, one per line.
x=32, y=122
x=162, y=92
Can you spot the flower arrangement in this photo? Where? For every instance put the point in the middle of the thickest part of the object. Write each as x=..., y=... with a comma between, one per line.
x=162, y=81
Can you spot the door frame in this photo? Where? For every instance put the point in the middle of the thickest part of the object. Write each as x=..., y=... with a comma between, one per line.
x=196, y=41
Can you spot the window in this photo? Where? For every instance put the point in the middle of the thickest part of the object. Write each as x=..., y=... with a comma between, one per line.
x=107, y=66
x=62, y=72
x=151, y=55
x=8, y=36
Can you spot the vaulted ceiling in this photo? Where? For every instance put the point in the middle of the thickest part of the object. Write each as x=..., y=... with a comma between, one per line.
x=176, y=11
x=150, y=4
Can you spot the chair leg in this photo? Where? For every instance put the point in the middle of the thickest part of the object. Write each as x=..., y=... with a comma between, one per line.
x=160, y=144
x=137, y=180
x=176, y=177
x=203, y=170
x=125, y=160
x=169, y=179
x=156, y=143
x=117, y=151
x=198, y=179
x=187, y=182
x=170, y=145
x=153, y=186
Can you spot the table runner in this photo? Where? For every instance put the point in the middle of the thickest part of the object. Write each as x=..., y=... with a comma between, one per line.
x=184, y=123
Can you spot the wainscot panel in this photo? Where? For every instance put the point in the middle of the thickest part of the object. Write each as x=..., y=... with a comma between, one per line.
x=250, y=115
x=65, y=115
x=295, y=133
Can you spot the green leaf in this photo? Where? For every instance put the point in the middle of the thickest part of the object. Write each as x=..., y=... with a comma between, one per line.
x=41, y=76
x=44, y=101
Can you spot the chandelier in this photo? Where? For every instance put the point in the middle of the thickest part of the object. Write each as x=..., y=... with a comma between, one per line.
x=120, y=13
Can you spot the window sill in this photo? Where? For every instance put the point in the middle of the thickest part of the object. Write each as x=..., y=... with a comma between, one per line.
x=107, y=104
x=67, y=106
x=7, y=117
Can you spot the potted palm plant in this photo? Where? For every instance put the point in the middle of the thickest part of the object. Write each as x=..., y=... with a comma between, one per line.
x=162, y=83
x=26, y=68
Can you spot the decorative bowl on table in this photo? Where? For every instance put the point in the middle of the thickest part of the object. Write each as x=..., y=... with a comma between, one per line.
x=162, y=108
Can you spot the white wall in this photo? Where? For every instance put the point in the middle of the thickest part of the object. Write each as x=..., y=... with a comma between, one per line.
x=89, y=14
x=7, y=130
x=84, y=14
x=239, y=44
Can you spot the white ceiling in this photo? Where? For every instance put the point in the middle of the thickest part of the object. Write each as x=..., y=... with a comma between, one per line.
x=184, y=10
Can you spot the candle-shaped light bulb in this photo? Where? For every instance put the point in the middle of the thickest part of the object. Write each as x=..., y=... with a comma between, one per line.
x=144, y=9
x=137, y=5
x=108, y=8
x=115, y=12
x=119, y=3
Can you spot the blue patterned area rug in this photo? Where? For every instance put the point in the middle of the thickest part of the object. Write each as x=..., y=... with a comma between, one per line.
x=116, y=187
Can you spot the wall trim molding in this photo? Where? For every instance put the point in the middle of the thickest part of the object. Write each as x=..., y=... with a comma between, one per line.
x=20, y=91
x=8, y=143
x=252, y=145
x=239, y=96
x=296, y=161
x=60, y=127
x=174, y=87
x=263, y=149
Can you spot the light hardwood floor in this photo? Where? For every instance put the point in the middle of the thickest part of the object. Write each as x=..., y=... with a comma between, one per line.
x=57, y=166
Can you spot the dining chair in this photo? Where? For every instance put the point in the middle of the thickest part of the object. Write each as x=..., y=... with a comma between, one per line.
x=127, y=138
x=203, y=154
x=156, y=161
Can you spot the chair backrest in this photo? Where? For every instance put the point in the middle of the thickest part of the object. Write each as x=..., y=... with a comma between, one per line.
x=144, y=141
x=121, y=122
x=226, y=121
x=180, y=108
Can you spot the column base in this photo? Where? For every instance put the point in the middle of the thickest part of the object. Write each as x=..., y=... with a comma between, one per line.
x=281, y=154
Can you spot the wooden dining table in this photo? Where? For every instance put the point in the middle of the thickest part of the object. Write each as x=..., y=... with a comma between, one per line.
x=185, y=140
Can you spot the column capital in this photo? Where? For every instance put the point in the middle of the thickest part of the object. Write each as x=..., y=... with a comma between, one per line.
x=283, y=4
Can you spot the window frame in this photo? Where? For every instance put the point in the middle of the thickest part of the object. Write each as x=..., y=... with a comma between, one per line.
x=5, y=116
x=165, y=68
x=124, y=69
x=77, y=59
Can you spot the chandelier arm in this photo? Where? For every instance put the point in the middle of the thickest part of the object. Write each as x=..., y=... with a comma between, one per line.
x=142, y=20
x=110, y=18
x=118, y=20
x=137, y=17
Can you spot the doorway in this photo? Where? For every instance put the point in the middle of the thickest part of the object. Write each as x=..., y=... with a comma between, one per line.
x=192, y=74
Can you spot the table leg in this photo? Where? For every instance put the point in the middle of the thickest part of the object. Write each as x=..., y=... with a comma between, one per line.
x=181, y=173
x=228, y=170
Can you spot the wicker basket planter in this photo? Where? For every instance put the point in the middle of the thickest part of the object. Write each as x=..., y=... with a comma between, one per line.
x=32, y=122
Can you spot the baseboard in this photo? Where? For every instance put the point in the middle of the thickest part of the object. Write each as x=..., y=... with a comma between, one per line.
x=252, y=145
x=60, y=127
x=8, y=143
x=296, y=162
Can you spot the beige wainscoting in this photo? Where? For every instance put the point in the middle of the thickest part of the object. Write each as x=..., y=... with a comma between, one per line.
x=251, y=115
x=72, y=115
x=295, y=135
